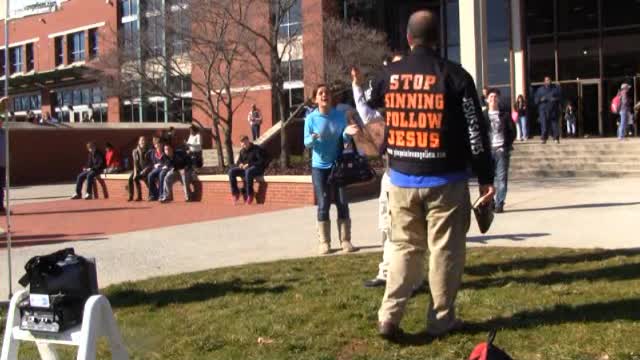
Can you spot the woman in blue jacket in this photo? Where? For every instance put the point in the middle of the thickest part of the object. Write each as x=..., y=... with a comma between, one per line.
x=325, y=129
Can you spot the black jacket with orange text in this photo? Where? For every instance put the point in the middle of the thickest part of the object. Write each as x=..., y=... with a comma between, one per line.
x=434, y=119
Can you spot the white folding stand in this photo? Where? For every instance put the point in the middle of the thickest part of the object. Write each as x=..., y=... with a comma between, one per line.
x=97, y=321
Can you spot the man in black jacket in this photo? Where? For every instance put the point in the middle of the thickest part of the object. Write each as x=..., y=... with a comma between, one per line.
x=547, y=97
x=93, y=168
x=251, y=164
x=502, y=135
x=435, y=132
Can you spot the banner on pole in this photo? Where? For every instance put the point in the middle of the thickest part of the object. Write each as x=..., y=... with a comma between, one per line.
x=22, y=8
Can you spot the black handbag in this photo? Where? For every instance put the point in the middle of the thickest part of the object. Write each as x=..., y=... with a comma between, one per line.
x=350, y=167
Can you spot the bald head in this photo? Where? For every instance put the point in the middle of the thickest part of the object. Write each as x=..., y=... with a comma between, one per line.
x=422, y=29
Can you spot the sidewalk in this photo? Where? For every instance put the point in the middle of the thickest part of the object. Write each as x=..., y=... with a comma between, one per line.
x=575, y=213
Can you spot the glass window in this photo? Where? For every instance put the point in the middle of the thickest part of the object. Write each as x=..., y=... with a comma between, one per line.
x=296, y=98
x=75, y=47
x=541, y=59
x=125, y=7
x=154, y=39
x=15, y=59
x=539, y=17
x=577, y=15
x=291, y=25
x=59, y=100
x=93, y=43
x=453, y=31
x=498, y=60
x=620, y=59
x=29, y=56
x=497, y=20
x=134, y=7
x=77, y=97
x=97, y=97
x=297, y=70
x=578, y=57
x=67, y=97
x=621, y=13
x=130, y=37
x=59, y=49
x=86, y=96
x=498, y=42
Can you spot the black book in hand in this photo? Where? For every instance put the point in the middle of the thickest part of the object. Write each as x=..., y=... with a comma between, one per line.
x=484, y=214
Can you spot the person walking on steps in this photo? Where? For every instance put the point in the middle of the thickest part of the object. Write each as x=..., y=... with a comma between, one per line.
x=547, y=98
x=626, y=114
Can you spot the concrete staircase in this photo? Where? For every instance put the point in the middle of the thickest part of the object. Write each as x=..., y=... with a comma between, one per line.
x=576, y=158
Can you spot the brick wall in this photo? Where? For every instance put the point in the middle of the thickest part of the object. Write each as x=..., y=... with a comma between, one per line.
x=218, y=191
x=48, y=155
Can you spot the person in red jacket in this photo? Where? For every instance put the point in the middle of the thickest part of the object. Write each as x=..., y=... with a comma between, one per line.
x=112, y=158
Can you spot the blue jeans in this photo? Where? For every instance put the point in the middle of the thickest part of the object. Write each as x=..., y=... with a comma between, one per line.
x=501, y=159
x=154, y=189
x=323, y=190
x=524, y=132
x=255, y=131
x=88, y=175
x=171, y=176
x=248, y=175
x=624, y=120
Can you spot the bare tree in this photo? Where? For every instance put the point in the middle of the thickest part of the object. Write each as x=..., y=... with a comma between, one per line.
x=198, y=42
x=349, y=44
x=267, y=48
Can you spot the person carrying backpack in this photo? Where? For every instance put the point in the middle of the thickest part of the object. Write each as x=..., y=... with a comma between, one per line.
x=621, y=104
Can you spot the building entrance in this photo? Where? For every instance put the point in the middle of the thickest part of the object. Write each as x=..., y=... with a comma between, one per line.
x=586, y=97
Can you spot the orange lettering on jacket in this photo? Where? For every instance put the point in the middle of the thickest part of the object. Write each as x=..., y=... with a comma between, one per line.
x=394, y=82
x=406, y=80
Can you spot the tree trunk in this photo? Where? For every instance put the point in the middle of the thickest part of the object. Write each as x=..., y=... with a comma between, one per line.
x=284, y=148
x=218, y=143
x=228, y=143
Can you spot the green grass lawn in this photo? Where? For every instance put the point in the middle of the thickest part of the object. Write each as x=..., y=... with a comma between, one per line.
x=547, y=303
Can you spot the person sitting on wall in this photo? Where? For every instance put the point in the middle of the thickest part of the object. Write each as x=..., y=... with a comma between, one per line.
x=251, y=164
x=156, y=158
x=141, y=168
x=175, y=162
x=112, y=157
x=94, y=166
x=194, y=146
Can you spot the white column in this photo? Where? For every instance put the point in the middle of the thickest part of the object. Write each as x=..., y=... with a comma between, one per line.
x=519, y=79
x=473, y=39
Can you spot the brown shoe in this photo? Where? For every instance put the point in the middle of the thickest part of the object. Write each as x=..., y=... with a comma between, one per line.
x=389, y=331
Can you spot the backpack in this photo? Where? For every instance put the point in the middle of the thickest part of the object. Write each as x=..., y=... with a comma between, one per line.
x=615, y=104
x=487, y=351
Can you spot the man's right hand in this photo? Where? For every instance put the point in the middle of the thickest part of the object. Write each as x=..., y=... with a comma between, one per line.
x=356, y=76
x=315, y=136
x=486, y=193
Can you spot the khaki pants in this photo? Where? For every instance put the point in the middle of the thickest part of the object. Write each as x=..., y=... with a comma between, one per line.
x=435, y=219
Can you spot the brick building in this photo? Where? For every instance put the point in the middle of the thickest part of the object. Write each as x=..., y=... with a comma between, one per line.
x=584, y=45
